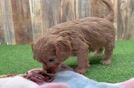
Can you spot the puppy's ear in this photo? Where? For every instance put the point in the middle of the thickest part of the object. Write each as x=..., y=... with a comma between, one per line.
x=63, y=48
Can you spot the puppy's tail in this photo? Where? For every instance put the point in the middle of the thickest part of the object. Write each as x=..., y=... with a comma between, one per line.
x=110, y=16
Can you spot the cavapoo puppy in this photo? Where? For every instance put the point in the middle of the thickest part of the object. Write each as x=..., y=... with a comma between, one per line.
x=77, y=37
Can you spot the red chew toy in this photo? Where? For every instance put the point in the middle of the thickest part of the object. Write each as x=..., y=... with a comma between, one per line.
x=39, y=76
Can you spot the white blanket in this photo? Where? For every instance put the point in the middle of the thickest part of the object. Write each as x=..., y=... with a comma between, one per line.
x=17, y=82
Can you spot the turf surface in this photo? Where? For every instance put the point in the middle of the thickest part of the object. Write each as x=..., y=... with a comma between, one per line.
x=16, y=59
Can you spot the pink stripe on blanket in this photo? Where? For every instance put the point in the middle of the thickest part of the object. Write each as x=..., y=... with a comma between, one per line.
x=54, y=85
x=127, y=84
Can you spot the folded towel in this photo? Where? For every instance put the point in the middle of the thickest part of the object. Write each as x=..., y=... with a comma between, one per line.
x=75, y=80
x=64, y=79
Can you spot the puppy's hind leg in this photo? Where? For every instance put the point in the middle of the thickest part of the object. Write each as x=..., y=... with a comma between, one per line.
x=108, y=54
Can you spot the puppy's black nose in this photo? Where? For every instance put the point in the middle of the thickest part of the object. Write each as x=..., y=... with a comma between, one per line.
x=51, y=71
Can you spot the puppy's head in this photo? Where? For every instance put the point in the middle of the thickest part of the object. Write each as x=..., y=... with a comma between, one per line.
x=51, y=51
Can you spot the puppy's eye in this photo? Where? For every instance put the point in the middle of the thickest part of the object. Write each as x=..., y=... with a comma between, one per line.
x=51, y=60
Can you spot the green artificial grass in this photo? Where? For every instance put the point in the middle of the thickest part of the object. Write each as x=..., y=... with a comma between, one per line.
x=16, y=59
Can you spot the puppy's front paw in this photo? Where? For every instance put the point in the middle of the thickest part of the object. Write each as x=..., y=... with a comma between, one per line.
x=80, y=70
x=107, y=62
